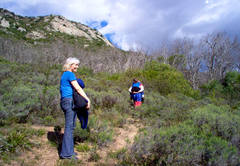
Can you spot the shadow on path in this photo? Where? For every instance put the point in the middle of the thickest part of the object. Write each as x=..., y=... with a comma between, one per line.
x=56, y=137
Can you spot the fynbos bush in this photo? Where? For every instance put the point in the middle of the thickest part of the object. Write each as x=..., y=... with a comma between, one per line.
x=183, y=144
x=216, y=121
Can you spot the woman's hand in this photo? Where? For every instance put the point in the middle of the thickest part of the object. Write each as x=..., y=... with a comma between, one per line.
x=88, y=105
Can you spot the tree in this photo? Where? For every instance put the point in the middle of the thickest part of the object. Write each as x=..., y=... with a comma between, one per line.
x=218, y=53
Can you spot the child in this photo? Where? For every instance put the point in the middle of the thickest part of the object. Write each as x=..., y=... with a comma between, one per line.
x=136, y=92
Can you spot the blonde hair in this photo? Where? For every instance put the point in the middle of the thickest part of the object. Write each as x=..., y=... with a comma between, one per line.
x=69, y=62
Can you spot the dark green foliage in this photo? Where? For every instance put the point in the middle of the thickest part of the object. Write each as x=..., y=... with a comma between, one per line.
x=177, y=61
x=102, y=132
x=119, y=153
x=231, y=85
x=213, y=86
x=84, y=71
x=4, y=61
x=166, y=79
x=228, y=88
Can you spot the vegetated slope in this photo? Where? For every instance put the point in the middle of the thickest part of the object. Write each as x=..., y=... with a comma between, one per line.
x=51, y=39
x=49, y=29
x=181, y=127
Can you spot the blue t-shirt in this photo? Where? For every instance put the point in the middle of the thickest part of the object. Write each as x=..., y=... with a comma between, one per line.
x=66, y=88
x=137, y=84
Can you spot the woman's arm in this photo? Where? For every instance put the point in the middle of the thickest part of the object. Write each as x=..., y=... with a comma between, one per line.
x=81, y=92
x=130, y=90
x=141, y=89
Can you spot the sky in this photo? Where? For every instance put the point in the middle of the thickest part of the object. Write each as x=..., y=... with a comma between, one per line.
x=130, y=24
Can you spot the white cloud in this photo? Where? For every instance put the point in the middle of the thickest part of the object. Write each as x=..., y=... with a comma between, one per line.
x=144, y=21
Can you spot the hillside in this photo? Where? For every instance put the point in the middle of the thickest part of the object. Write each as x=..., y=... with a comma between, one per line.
x=48, y=29
x=188, y=117
x=176, y=125
x=53, y=38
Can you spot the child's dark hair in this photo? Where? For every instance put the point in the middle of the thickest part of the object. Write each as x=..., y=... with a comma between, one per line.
x=135, y=80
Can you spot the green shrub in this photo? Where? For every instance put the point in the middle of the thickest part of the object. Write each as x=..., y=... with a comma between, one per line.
x=226, y=88
x=2, y=60
x=49, y=121
x=216, y=121
x=27, y=89
x=105, y=137
x=20, y=101
x=166, y=79
x=98, y=132
x=182, y=144
x=16, y=139
x=101, y=131
x=108, y=99
x=83, y=148
x=231, y=85
x=172, y=109
x=80, y=135
x=85, y=71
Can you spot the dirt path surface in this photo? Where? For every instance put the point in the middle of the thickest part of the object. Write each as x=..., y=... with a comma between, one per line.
x=46, y=154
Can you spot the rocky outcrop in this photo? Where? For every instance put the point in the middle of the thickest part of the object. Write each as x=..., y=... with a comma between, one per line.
x=21, y=29
x=61, y=24
x=35, y=35
x=5, y=23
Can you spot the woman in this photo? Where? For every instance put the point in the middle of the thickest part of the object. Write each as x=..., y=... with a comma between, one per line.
x=67, y=83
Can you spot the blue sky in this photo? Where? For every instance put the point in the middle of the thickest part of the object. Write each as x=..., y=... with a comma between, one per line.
x=134, y=23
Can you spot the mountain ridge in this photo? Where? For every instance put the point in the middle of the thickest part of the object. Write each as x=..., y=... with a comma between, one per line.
x=53, y=38
x=50, y=24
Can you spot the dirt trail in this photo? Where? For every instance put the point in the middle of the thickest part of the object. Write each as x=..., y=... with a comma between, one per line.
x=47, y=154
x=44, y=155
